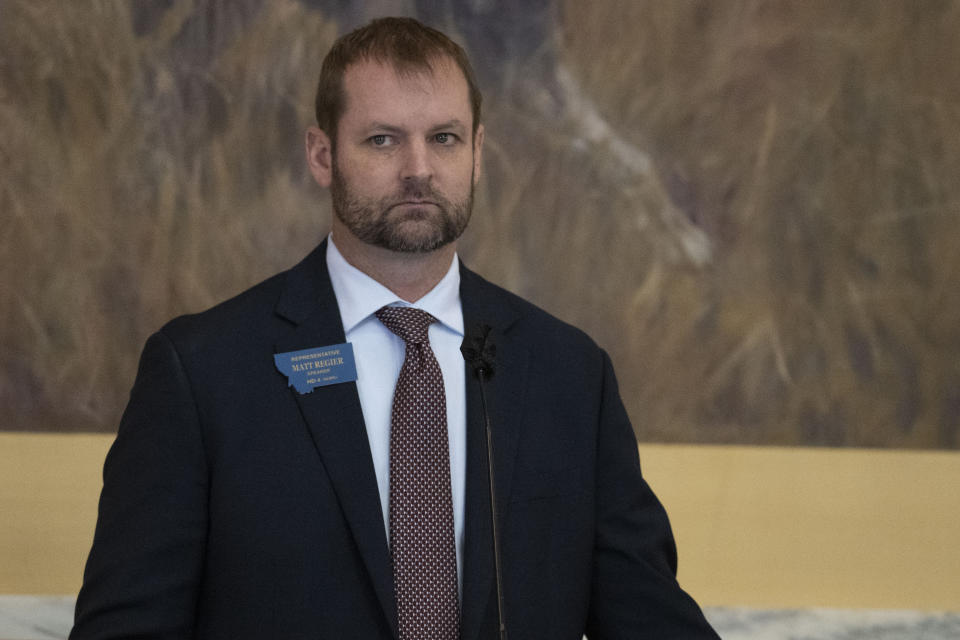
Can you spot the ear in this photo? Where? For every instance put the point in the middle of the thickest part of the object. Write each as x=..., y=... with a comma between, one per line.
x=319, y=156
x=477, y=154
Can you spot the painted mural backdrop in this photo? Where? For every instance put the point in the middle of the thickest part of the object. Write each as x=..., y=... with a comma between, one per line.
x=752, y=204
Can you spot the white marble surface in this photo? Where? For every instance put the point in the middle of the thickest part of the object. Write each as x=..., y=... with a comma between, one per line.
x=50, y=617
x=35, y=617
x=833, y=624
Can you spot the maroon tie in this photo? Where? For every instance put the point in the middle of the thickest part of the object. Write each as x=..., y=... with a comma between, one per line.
x=421, y=507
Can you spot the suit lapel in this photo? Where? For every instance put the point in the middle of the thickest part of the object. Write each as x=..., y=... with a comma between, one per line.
x=335, y=419
x=505, y=392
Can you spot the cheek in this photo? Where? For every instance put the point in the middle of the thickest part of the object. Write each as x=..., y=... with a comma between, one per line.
x=368, y=177
x=460, y=175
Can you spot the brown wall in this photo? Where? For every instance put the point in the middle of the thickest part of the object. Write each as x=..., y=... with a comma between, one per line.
x=756, y=526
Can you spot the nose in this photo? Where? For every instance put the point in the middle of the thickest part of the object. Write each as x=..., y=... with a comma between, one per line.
x=416, y=161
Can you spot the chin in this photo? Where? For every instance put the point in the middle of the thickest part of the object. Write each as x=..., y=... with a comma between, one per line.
x=416, y=235
x=408, y=244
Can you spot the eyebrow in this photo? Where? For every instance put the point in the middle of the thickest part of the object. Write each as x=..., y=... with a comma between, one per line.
x=455, y=125
x=379, y=126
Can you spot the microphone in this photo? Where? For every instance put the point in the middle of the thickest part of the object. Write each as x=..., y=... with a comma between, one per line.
x=479, y=352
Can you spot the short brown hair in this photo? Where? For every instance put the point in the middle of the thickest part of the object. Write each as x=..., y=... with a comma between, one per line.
x=404, y=43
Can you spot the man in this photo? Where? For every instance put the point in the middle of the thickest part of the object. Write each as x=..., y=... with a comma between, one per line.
x=259, y=488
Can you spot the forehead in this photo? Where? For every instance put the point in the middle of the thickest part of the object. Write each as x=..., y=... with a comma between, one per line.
x=379, y=92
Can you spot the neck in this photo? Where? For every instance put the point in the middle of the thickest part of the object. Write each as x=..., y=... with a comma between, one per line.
x=409, y=275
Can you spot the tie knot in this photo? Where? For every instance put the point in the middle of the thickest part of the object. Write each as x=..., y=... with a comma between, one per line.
x=408, y=323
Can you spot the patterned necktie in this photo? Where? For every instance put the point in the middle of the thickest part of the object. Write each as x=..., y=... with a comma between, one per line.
x=421, y=508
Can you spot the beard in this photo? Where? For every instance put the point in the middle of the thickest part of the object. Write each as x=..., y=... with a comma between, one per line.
x=416, y=229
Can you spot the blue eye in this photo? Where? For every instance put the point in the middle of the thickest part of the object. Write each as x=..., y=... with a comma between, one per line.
x=379, y=140
x=443, y=138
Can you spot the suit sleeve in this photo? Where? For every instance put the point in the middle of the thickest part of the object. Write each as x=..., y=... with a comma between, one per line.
x=634, y=591
x=143, y=572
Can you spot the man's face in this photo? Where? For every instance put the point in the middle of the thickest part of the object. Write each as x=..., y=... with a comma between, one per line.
x=406, y=161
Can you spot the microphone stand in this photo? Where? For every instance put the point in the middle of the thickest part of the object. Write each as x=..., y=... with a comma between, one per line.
x=479, y=354
x=482, y=374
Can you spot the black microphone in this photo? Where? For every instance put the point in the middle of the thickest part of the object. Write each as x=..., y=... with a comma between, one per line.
x=479, y=351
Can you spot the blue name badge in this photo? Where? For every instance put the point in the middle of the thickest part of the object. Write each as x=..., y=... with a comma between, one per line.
x=311, y=368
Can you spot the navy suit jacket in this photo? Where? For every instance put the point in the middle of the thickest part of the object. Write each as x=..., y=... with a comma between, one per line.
x=235, y=507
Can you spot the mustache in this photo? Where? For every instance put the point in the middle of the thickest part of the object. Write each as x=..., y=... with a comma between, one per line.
x=418, y=189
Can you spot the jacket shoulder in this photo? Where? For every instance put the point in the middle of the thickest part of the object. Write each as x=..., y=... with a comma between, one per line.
x=520, y=316
x=247, y=311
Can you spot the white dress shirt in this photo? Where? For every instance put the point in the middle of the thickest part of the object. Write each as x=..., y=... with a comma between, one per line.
x=379, y=354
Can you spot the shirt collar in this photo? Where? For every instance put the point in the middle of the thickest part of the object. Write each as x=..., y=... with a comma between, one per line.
x=359, y=296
